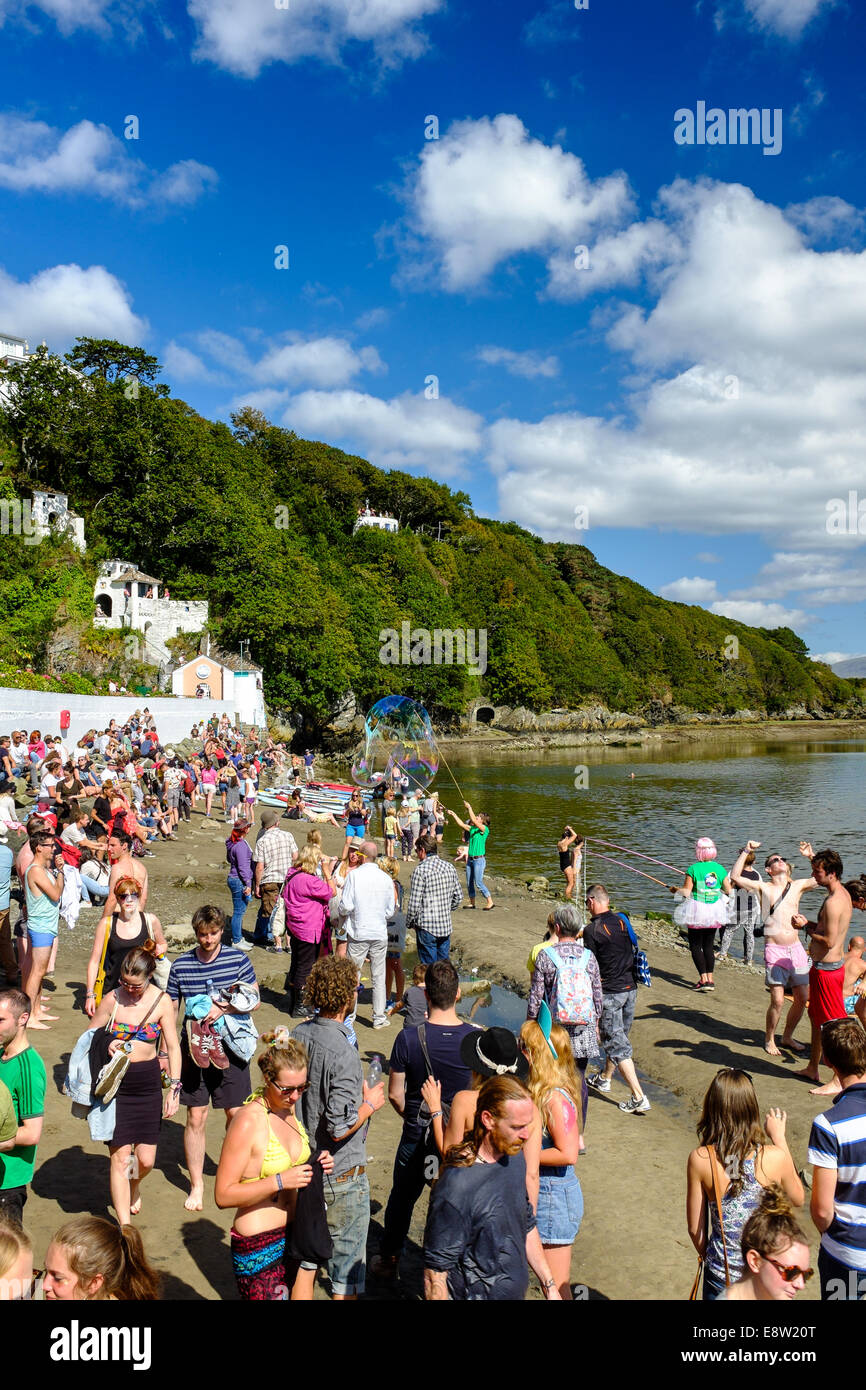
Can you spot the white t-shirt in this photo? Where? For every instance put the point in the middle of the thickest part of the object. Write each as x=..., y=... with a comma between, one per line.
x=104, y=742
x=48, y=784
x=73, y=834
x=18, y=754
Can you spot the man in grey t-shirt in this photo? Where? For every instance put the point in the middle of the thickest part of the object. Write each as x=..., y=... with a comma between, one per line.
x=335, y=1110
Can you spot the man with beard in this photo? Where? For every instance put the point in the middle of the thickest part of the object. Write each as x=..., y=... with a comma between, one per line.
x=481, y=1233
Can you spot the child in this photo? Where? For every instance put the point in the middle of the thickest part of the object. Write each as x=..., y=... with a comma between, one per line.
x=414, y=1001
x=233, y=796
x=392, y=831
x=404, y=822
x=550, y=935
x=249, y=793
x=396, y=935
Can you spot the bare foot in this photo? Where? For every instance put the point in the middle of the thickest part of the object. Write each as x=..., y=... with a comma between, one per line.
x=52, y=1018
x=195, y=1199
x=808, y=1074
x=43, y=1027
x=771, y=1048
x=832, y=1088
x=135, y=1207
x=793, y=1046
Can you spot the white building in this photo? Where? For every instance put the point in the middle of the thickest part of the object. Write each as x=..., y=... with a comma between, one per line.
x=212, y=677
x=126, y=598
x=381, y=521
x=51, y=515
x=11, y=350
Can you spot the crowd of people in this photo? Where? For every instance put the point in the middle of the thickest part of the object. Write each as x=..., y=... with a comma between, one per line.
x=492, y=1123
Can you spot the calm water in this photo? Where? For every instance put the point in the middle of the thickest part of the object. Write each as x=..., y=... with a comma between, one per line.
x=734, y=789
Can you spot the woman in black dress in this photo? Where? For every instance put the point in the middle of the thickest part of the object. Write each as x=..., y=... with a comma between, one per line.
x=128, y=927
x=136, y=1015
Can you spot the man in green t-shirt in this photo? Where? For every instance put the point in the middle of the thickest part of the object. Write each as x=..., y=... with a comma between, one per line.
x=22, y=1071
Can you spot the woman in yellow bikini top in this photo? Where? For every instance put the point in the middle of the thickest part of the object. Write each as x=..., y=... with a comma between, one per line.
x=264, y=1160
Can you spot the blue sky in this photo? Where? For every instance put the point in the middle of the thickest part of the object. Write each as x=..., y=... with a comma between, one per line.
x=689, y=388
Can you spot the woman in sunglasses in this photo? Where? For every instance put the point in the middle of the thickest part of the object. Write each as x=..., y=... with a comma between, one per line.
x=127, y=928
x=264, y=1160
x=775, y=1253
x=742, y=1158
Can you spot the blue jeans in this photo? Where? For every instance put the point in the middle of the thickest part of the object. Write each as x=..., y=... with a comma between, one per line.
x=240, y=903
x=475, y=877
x=408, y=1184
x=91, y=889
x=432, y=947
x=347, y=1205
x=713, y=1286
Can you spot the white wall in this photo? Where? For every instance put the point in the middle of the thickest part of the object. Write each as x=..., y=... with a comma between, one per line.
x=35, y=709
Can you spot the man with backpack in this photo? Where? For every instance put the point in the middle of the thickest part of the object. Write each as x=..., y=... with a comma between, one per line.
x=566, y=978
x=608, y=935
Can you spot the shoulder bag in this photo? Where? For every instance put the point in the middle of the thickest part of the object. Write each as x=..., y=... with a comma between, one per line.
x=717, y=1191
x=99, y=986
x=759, y=930
x=111, y=1075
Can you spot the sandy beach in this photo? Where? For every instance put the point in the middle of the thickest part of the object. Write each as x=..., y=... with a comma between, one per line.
x=633, y=1242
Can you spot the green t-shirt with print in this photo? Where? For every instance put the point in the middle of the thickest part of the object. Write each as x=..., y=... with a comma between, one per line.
x=708, y=876
x=24, y=1075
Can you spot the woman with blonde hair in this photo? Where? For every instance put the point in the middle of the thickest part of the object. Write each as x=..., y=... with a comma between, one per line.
x=16, y=1262
x=91, y=1259
x=264, y=1160
x=739, y=1158
x=306, y=897
x=554, y=1085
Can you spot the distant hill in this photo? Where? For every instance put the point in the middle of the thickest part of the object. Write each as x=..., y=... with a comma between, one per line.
x=854, y=667
x=260, y=523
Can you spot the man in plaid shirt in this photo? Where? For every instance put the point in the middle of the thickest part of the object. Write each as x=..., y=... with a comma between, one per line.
x=434, y=892
x=274, y=854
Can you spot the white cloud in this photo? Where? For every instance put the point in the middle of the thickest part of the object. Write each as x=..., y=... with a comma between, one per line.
x=407, y=431
x=68, y=14
x=749, y=410
x=244, y=37
x=708, y=557
x=68, y=301
x=622, y=258
x=826, y=218
x=291, y=360
x=462, y=201
x=526, y=364
x=184, y=365
x=373, y=318
x=787, y=18
x=761, y=614
x=554, y=26
x=90, y=159
x=695, y=590
x=831, y=657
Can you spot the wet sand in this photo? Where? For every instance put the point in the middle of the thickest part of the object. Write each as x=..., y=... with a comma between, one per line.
x=633, y=1242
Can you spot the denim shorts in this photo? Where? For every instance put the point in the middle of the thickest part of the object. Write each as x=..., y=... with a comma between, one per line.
x=560, y=1208
x=617, y=1016
x=348, y=1212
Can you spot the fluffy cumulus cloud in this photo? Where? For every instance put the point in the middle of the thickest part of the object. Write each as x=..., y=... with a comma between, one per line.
x=761, y=614
x=408, y=431
x=243, y=38
x=289, y=361
x=91, y=159
x=747, y=409
x=695, y=590
x=787, y=18
x=462, y=212
x=68, y=301
x=525, y=364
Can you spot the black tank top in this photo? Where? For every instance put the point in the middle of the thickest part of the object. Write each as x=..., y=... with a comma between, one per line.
x=117, y=950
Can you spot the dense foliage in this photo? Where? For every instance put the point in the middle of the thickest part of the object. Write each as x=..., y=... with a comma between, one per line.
x=259, y=522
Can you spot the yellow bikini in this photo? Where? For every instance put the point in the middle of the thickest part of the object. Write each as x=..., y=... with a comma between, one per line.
x=276, y=1158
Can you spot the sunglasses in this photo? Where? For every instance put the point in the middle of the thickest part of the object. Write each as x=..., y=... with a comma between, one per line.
x=129, y=897
x=788, y=1272
x=775, y=859
x=290, y=1090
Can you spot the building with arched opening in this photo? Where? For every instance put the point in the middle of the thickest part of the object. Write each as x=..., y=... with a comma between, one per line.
x=126, y=597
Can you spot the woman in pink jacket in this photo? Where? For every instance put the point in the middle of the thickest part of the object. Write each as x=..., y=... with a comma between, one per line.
x=306, y=897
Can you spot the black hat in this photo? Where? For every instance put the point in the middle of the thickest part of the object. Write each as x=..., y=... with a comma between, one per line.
x=494, y=1053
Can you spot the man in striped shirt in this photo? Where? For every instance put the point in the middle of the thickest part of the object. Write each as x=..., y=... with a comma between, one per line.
x=208, y=969
x=837, y=1152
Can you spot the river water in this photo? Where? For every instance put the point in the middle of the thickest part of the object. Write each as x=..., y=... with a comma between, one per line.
x=732, y=789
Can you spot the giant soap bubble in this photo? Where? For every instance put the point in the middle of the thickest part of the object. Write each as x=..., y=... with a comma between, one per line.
x=397, y=733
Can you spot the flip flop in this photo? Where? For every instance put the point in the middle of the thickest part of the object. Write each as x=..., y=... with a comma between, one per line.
x=488, y=909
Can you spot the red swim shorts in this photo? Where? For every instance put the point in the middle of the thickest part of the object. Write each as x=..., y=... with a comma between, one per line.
x=826, y=1000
